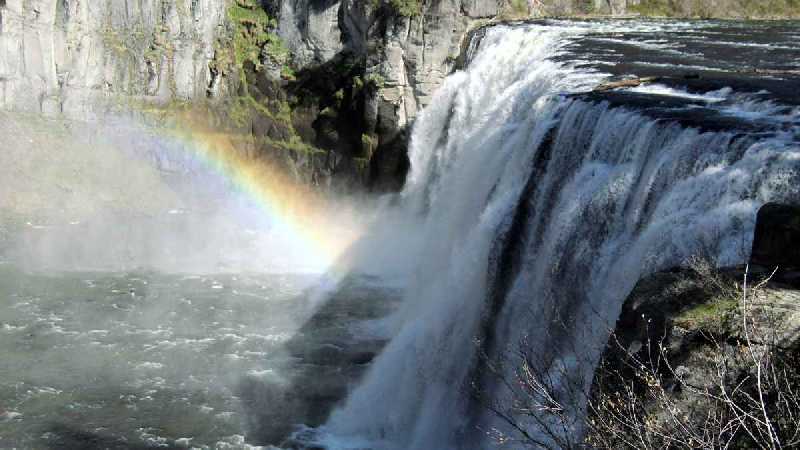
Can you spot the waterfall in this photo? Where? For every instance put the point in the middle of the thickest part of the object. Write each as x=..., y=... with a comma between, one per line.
x=538, y=211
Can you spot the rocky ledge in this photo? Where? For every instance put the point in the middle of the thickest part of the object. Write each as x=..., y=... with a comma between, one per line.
x=701, y=354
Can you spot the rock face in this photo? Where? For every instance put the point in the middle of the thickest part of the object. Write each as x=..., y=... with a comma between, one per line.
x=405, y=56
x=683, y=353
x=61, y=55
x=66, y=56
x=80, y=59
x=382, y=58
x=685, y=336
x=777, y=237
x=679, y=306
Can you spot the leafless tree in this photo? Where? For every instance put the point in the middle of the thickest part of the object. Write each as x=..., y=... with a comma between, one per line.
x=749, y=395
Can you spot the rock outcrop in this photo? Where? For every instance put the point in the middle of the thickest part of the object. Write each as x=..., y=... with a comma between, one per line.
x=404, y=54
x=72, y=57
x=689, y=343
x=777, y=238
x=264, y=61
x=84, y=59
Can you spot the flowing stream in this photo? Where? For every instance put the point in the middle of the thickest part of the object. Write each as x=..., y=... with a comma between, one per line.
x=532, y=208
x=542, y=203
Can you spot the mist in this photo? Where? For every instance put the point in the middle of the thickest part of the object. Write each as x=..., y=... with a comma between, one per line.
x=120, y=195
x=170, y=299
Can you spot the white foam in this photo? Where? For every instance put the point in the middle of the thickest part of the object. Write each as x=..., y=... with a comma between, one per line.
x=11, y=415
x=619, y=196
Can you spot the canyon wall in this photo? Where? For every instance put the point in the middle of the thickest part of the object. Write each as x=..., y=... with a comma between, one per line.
x=404, y=54
x=81, y=59
x=69, y=56
x=328, y=87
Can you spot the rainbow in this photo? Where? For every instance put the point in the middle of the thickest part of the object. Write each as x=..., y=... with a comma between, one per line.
x=318, y=230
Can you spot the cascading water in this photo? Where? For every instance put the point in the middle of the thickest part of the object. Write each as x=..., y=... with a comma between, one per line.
x=539, y=208
x=192, y=311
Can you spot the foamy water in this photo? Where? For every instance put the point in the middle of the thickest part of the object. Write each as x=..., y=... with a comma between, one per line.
x=95, y=360
x=530, y=199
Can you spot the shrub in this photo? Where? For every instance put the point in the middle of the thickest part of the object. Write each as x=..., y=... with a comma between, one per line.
x=746, y=395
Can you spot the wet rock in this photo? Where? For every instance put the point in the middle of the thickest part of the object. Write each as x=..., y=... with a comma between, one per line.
x=777, y=237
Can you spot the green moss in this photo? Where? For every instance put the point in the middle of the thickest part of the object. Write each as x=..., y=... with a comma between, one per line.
x=240, y=110
x=362, y=164
x=515, y=9
x=254, y=32
x=114, y=41
x=652, y=8
x=368, y=146
x=339, y=96
x=295, y=144
x=713, y=314
x=358, y=84
x=405, y=8
x=375, y=80
x=253, y=35
x=329, y=112
x=243, y=107
x=153, y=53
x=770, y=8
x=284, y=113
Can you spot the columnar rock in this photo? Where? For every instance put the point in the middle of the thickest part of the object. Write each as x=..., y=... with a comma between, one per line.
x=411, y=55
x=69, y=56
x=84, y=58
x=407, y=54
x=77, y=57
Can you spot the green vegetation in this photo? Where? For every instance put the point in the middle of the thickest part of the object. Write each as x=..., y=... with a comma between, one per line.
x=713, y=314
x=254, y=39
x=368, y=146
x=254, y=34
x=131, y=47
x=652, y=8
x=405, y=8
x=318, y=110
x=296, y=145
x=242, y=108
x=114, y=41
x=707, y=9
x=720, y=299
x=375, y=80
x=515, y=9
x=770, y=8
x=362, y=164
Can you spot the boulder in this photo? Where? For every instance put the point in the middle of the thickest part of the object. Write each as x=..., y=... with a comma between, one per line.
x=777, y=237
x=682, y=333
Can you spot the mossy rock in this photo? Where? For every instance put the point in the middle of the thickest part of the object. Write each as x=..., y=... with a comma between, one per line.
x=717, y=315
